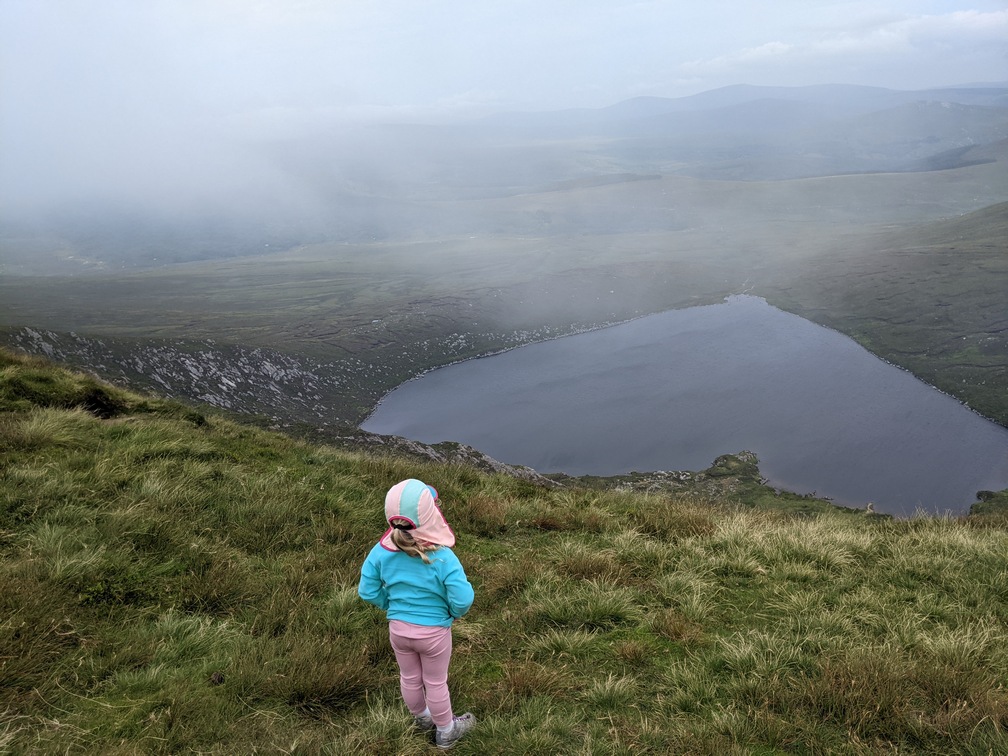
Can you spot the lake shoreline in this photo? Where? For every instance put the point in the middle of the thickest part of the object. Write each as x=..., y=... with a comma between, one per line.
x=779, y=466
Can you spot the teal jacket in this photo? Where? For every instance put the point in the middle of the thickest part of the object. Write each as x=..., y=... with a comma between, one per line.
x=412, y=590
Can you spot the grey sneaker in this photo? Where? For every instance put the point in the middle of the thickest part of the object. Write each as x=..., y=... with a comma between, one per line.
x=424, y=724
x=460, y=726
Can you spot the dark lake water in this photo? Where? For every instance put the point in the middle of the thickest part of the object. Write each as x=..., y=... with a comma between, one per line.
x=675, y=390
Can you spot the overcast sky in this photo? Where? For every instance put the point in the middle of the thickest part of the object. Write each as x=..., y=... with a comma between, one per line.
x=80, y=79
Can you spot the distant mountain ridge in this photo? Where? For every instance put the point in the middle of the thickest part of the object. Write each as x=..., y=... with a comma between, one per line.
x=850, y=99
x=745, y=132
x=388, y=182
x=855, y=96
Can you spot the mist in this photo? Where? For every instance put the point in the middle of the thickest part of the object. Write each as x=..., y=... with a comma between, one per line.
x=285, y=123
x=407, y=186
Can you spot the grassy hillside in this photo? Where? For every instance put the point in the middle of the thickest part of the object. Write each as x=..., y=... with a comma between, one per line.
x=931, y=300
x=172, y=581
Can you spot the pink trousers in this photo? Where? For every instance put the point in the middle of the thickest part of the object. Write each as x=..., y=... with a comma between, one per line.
x=423, y=654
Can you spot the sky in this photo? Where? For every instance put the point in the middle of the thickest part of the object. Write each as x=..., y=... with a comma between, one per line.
x=99, y=86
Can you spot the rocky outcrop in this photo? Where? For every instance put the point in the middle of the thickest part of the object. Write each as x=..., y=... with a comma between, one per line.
x=249, y=381
x=444, y=452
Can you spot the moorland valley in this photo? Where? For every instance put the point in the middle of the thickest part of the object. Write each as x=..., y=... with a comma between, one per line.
x=366, y=257
x=175, y=581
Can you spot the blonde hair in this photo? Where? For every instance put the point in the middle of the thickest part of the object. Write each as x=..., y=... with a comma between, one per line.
x=405, y=542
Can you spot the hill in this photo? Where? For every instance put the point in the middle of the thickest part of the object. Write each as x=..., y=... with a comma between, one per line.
x=173, y=581
x=930, y=300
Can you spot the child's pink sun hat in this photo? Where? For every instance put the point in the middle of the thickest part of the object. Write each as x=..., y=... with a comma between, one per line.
x=415, y=504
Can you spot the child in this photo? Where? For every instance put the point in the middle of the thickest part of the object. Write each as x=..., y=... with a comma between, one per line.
x=413, y=574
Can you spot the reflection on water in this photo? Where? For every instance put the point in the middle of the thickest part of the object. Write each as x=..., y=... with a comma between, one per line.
x=675, y=390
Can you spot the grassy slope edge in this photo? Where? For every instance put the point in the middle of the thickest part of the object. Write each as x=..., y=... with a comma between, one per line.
x=930, y=299
x=174, y=581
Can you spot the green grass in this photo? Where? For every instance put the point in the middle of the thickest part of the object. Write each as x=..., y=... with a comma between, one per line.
x=180, y=583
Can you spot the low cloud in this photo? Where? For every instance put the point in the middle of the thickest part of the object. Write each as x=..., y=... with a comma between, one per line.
x=136, y=98
x=888, y=51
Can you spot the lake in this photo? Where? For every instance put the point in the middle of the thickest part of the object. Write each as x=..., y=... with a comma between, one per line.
x=675, y=390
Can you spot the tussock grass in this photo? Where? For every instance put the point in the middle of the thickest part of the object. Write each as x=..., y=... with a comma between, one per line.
x=676, y=626
x=527, y=679
x=668, y=521
x=579, y=560
x=171, y=586
x=506, y=575
x=563, y=645
x=612, y=693
x=589, y=604
x=46, y=428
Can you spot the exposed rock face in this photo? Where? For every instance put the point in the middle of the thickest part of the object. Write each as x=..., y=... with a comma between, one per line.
x=253, y=381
